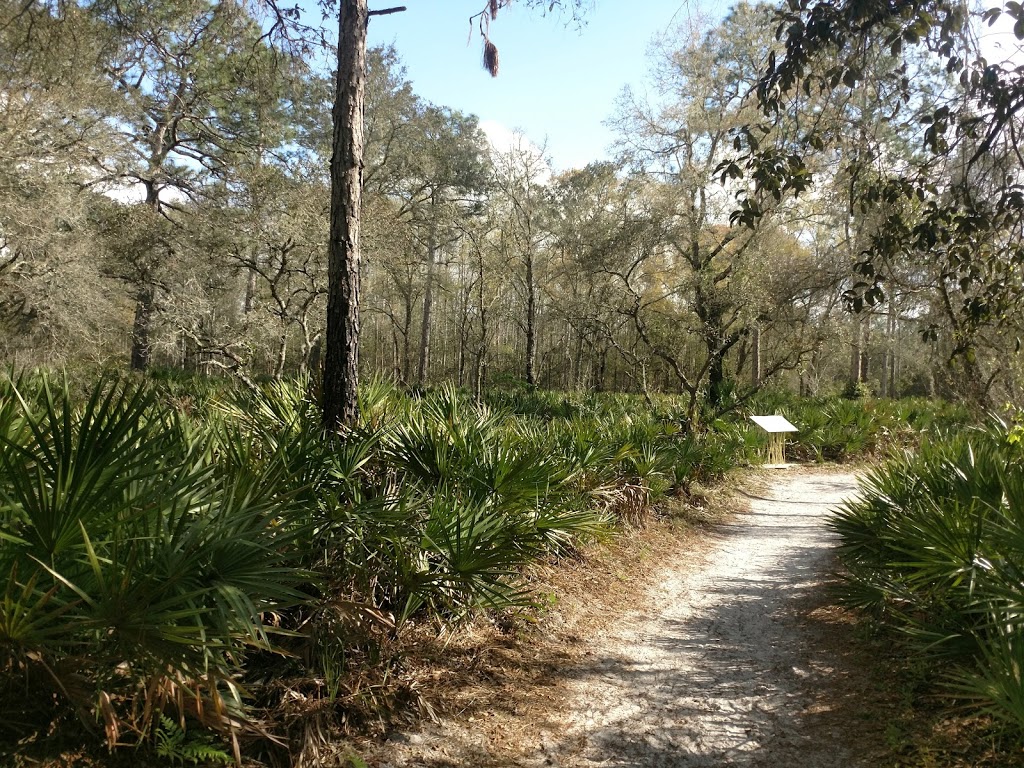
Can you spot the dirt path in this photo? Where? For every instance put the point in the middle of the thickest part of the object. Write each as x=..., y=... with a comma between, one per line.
x=724, y=671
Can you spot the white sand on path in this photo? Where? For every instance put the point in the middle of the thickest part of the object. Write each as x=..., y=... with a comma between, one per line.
x=720, y=673
x=717, y=678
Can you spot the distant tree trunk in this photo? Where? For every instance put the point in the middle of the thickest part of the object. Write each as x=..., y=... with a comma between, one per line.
x=579, y=380
x=600, y=368
x=249, y=303
x=282, y=354
x=531, y=324
x=142, y=346
x=890, y=372
x=480, y=369
x=406, y=342
x=396, y=355
x=463, y=328
x=428, y=305
x=306, y=351
x=855, y=352
x=252, y=277
x=145, y=298
x=755, y=356
x=718, y=346
x=716, y=379
x=812, y=379
x=865, y=360
x=341, y=346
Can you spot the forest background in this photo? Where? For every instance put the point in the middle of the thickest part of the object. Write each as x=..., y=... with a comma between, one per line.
x=165, y=193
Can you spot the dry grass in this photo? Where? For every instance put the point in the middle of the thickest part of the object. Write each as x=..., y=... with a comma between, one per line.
x=875, y=697
x=873, y=682
x=505, y=674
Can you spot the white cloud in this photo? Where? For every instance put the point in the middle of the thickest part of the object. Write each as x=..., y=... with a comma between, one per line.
x=504, y=139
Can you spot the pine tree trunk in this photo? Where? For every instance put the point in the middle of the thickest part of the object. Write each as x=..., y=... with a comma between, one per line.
x=479, y=369
x=341, y=346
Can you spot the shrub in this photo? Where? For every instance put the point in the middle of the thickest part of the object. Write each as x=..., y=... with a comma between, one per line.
x=934, y=548
x=137, y=574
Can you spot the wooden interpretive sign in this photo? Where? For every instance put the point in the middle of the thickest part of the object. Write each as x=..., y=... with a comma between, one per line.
x=776, y=427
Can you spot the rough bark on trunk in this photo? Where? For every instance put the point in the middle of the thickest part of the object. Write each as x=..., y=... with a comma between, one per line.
x=341, y=346
x=480, y=369
x=142, y=348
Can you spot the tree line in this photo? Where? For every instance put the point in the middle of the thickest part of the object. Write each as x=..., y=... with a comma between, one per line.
x=165, y=188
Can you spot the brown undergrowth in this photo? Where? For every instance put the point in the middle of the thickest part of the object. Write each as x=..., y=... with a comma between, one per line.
x=872, y=680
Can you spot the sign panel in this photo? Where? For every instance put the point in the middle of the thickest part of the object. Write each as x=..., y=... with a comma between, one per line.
x=773, y=424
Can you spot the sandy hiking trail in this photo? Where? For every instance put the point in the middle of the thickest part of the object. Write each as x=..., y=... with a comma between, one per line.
x=720, y=669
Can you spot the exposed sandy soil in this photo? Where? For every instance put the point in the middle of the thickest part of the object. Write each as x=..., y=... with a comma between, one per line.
x=726, y=658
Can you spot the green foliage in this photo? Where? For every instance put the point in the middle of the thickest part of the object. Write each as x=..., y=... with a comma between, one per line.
x=164, y=560
x=933, y=548
x=135, y=567
x=857, y=390
x=178, y=747
x=841, y=429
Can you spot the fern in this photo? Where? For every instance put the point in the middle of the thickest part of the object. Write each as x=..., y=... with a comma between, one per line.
x=173, y=743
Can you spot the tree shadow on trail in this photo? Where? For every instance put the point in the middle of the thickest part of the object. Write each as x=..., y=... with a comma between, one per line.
x=756, y=674
x=753, y=677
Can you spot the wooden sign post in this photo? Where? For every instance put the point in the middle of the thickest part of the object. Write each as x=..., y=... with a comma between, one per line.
x=776, y=427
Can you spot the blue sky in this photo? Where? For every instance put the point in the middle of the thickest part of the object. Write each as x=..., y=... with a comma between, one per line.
x=557, y=83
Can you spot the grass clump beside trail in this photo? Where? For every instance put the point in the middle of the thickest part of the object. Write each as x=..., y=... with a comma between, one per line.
x=934, y=550
x=205, y=574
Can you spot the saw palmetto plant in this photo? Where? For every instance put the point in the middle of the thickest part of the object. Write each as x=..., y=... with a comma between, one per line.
x=137, y=573
x=934, y=548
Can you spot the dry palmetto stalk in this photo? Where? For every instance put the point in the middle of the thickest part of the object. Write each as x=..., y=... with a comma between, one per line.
x=632, y=503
